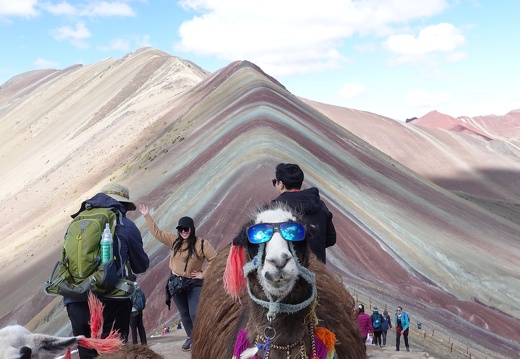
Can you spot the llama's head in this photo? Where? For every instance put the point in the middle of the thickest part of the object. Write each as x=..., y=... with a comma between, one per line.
x=16, y=342
x=271, y=249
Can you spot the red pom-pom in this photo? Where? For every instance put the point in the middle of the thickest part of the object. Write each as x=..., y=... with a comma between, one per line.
x=234, y=279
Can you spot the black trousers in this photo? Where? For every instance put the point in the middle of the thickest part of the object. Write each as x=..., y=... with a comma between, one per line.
x=398, y=338
x=114, y=312
x=136, y=325
x=377, y=337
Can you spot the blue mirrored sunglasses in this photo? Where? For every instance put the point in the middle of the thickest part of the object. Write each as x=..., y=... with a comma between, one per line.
x=263, y=232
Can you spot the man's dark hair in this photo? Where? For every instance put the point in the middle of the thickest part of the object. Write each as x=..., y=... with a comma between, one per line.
x=290, y=174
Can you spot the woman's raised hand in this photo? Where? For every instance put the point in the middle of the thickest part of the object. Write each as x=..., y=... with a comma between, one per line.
x=143, y=208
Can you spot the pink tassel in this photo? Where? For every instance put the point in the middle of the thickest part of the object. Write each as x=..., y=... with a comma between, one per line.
x=102, y=346
x=112, y=342
x=241, y=344
x=234, y=279
x=321, y=349
x=96, y=316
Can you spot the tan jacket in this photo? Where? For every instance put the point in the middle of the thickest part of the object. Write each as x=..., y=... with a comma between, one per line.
x=178, y=261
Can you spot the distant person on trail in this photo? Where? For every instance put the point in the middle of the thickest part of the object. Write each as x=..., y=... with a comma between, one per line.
x=288, y=182
x=387, y=324
x=377, y=323
x=136, y=318
x=402, y=324
x=188, y=253
x=364, y=324
x=116, y=312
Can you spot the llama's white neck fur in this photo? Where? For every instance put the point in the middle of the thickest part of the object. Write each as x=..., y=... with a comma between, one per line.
x=279, y=271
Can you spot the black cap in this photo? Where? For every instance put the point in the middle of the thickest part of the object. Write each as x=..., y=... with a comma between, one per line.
x=185, y=222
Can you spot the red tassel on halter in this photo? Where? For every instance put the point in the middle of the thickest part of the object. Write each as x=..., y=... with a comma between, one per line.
x=234, y=279
x=67, y=354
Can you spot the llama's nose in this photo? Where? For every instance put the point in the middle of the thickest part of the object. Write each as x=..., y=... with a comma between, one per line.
x=280, y=260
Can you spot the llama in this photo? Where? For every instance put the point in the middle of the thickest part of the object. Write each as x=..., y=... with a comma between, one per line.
x=16, y=342
x=272, y=298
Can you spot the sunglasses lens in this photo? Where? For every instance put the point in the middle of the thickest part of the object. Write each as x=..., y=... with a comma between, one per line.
x=274, y=181
x=292, y=231
x=260, y=233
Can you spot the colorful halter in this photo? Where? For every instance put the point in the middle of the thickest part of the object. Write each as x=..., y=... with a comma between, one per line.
x=274, y=306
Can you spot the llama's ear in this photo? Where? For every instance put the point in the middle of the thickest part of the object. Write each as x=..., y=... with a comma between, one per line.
x=234, y=279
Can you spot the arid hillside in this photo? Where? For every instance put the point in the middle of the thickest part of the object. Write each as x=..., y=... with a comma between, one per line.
x=426, y=215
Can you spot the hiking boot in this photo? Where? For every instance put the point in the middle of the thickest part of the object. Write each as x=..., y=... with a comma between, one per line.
x=187, y=345
x=407, y=349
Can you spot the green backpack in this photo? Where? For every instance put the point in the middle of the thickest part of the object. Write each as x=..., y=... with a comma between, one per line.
x=80, y=270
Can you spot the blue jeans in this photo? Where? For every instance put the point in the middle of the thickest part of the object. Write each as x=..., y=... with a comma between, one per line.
x=186, y=304
x=383, y=335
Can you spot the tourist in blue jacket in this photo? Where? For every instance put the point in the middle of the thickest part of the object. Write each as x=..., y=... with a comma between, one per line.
x=387, y=324
x=402, y=324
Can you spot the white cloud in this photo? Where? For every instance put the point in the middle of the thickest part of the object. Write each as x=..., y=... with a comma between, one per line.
x=75, y=36
x=62, y=8
x=40, y=63
x=291, y=36
x=106, y=8
x=352, y=90
x=117, y=44
x=440, y=38
x=421, y=98
x=18, y=8
x=143, y=41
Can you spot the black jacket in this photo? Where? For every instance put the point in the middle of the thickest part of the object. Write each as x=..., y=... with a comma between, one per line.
x=317, y=217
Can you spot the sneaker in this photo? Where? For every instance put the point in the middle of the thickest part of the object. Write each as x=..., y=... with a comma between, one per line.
x=187, y=345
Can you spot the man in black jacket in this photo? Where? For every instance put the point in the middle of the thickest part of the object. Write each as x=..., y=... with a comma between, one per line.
x=116, y=312
x=288, y=183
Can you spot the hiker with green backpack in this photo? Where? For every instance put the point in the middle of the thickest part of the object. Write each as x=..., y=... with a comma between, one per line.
x=84, y=268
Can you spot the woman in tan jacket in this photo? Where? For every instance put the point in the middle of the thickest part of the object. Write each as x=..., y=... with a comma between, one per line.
x=187, y=257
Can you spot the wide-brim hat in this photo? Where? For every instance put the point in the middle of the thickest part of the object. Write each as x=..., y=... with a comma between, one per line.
x=120, y=193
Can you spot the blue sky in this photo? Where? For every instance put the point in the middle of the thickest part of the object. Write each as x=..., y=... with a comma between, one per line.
x=397, y=58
